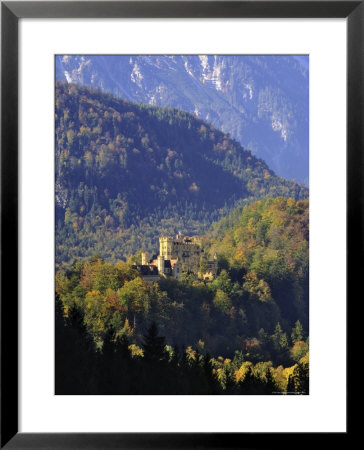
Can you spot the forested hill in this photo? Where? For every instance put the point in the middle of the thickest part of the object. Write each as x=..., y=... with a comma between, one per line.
x=253, y=314
x=126, y=173
x=267, y=243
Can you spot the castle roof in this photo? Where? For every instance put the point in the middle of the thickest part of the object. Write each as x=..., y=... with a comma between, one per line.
x=168, y=263
x=146, y=270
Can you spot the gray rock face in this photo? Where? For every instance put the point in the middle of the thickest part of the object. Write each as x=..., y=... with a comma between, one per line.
x=261, y=101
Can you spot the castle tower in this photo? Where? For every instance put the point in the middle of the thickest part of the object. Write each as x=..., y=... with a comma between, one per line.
x=144, y=258
x=160, y=263
x=165, y=247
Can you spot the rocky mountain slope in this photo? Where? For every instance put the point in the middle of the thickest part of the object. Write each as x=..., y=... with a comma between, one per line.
x=261, y=101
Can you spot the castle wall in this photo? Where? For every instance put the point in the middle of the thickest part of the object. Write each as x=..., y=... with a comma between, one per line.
x=178, y=256
x=186, y=249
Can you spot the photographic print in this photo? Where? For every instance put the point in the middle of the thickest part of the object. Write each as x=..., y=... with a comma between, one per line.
x=182, y=224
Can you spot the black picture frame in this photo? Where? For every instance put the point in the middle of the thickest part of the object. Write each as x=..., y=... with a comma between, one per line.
x=11, y=12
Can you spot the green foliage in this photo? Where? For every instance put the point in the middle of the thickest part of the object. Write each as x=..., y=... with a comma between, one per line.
x=297, y=332
x=264, y=246
x=118, y=367
x=300, y=378
x=222, y=301
x=241, y=310
x=299, y=350
x=215, y=317
x=280, y=338
x=133, y=296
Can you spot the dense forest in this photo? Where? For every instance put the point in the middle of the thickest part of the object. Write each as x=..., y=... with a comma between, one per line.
x=126, y=173
x=156, y=368
x=246, y=332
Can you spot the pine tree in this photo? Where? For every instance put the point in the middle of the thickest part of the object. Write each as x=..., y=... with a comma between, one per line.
x=301, y=373
x=154, y=345
x=297, y=332
x=290, y=386
x=74, y=353
x=122, y=347
x=213, y=386
x=247, y=385
x=277, y=335
x=270, y=384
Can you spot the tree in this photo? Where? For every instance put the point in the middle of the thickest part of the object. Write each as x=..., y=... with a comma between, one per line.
x=134, y=296
x=248, y=384
x=74, y=353
x=262, y=335
x=258, y=289
x=122, y=347
x=223, y=282
x=279, y=338
x=270, y=384
x=97, y=314
x=290, y=385
x=154, y=345
x=222, y=301
x=212, y=383
x=301, y=378
x=297, y=332
x=299, y=350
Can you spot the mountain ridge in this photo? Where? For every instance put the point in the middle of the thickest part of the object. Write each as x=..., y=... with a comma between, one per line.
x=261, y=101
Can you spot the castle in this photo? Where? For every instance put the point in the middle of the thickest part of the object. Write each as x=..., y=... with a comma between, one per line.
x=177, y=256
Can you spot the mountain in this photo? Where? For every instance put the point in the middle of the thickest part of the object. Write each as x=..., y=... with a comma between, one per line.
x=261, y=101
x=127, y=172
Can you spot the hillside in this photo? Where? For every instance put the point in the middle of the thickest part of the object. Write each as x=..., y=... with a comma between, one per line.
x=267, y=242
x=260, y=100
x=254, y=314
x=126, y=173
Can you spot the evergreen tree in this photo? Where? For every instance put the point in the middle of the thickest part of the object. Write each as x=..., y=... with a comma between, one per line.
x=270, y=384
x=212, y=383
x=297, y=332
x=301, y=374
x=290, y=385
x=154, y=345
x=74, y=353
x=277, y=336
x=247, y=385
